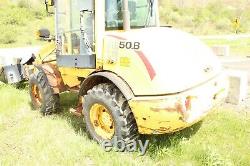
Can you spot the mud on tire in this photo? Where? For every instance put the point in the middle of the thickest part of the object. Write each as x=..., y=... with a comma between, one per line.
x=47, y=101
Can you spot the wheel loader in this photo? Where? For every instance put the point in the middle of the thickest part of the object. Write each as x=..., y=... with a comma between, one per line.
x=132, y=76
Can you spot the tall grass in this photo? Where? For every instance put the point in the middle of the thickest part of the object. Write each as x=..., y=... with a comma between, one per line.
x=206, y=17
x=19, y=21
x=28, y=138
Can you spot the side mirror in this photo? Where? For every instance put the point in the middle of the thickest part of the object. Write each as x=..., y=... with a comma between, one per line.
x=43, y=34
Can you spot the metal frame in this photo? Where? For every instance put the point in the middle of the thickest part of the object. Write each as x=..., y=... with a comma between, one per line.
x=77, y=61
x=86, y=59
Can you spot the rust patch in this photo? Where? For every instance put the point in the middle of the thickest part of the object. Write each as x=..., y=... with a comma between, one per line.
x=161, y=130
x=54, y=77
x=179, y=108
x=164, y=129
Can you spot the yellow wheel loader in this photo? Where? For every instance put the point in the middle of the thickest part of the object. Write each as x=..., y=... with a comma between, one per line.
x=132, y=76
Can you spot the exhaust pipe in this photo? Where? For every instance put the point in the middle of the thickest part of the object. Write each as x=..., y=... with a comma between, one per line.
x=126, y=16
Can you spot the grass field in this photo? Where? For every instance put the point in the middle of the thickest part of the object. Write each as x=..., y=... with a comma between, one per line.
x=28, y=138
x=20, y=22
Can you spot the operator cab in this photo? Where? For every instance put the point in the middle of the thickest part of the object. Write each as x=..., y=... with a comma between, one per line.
x=81, y=24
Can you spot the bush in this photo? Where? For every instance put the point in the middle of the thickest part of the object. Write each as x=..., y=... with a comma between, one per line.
x=15, y=16
x=223, y=24
x=35, y=7
x=11, y=19
x=187, y=21
x=23, y=4
x=217, y=15
x=39, y=13
x=174, y=17
x=8, y=34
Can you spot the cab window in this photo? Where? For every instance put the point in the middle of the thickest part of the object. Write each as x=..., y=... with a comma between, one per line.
x=141, y=14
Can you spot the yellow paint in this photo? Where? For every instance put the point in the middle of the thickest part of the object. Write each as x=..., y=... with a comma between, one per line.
x=123, y=62
x=159, y=115
x=75, y=72
x=70, y=75
x=102, y=121
x=151, y=122
x=46, y=53
x=70, y=81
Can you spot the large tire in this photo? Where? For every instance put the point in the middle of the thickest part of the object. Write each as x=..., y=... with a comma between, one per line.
x=125, y=127
x=42, y=96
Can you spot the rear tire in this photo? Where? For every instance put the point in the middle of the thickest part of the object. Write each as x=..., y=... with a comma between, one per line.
x=42, y=96
x=107, y=95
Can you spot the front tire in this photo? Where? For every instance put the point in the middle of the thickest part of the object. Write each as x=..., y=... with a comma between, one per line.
x=42, y=96
x=107, y=115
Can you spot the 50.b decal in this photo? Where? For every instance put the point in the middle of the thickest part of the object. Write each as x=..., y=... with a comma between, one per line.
x=129, y=45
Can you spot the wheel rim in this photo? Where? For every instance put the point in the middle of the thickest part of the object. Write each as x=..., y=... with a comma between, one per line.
x=36, y=95
x=102, y=121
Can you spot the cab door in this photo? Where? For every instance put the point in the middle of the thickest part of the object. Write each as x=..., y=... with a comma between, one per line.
x=75, y=34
